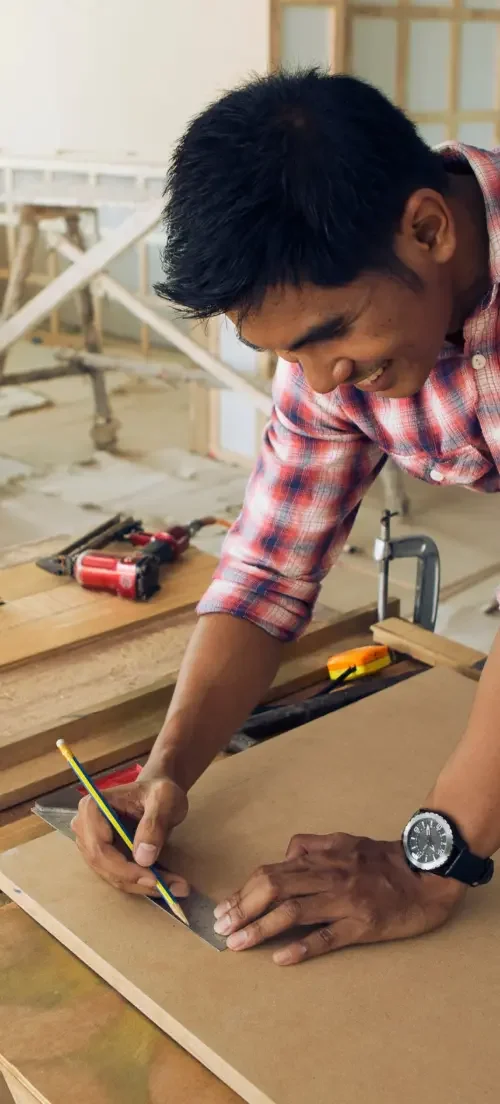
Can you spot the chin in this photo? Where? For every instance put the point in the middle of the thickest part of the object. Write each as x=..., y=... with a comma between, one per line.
x=407, y=386
x=403, y=390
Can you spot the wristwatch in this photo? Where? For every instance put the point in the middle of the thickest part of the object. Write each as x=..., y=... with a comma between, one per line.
x=433, y=845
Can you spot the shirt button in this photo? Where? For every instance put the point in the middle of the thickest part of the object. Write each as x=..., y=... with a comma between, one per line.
x=478, y=361
x=436, y=475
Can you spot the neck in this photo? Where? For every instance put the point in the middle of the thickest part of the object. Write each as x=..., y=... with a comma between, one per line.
x=470, y=267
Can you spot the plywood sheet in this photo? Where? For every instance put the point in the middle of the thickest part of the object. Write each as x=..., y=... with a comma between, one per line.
x=372, y=1026
x=44, y=623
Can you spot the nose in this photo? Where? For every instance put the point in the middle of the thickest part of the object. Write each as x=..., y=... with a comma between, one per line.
x=325, y=377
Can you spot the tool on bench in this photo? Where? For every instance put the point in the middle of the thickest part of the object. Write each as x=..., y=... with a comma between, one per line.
x=135, y=577
x=365, y=660
x=272, y=720
x=426, y=552
x=58, y=810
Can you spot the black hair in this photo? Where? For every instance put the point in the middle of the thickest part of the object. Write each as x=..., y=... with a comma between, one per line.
x=293, y=178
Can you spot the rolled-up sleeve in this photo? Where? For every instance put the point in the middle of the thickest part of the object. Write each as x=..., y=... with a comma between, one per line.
x=301, y=502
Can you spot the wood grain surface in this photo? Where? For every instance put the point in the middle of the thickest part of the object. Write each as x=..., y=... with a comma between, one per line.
x=353, y=1027
x=126, y=724
x=61, y=618
x=67, y=1036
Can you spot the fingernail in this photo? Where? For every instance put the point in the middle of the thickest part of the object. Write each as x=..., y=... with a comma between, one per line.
x=282, y=958
x=223, y=926
x=221, y=910
x=237, y=940
x=145, y=854
x=179, y=889
x=148, y=882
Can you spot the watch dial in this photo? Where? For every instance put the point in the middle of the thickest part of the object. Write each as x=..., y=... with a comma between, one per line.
x=429, y=841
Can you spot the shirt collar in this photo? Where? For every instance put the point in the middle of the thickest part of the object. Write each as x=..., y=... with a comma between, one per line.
x=485, y=165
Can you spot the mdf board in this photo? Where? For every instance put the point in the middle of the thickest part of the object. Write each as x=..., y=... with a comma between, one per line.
x=41, y=624
x=409, y=1021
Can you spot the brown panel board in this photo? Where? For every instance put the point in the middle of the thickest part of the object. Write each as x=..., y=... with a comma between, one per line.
x=367, y=1026
x=41, y=624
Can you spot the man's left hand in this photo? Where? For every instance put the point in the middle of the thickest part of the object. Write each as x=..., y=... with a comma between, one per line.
x=358, y=890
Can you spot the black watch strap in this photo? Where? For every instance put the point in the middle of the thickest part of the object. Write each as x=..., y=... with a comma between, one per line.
x=469, y=868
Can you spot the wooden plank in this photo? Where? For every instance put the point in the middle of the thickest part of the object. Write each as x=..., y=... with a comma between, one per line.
x=66, y=1036
x=347, y=1017
x=428, y=647
x=125, y=726
x=42, y=624
x=21, y=580
x=171, y=333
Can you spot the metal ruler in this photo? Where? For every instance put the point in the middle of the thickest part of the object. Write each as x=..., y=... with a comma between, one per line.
x=59, y=809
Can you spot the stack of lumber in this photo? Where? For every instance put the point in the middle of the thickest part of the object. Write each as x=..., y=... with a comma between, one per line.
x=100, y=671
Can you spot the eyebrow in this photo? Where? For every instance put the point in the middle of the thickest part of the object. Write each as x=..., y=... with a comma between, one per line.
x=337, y=326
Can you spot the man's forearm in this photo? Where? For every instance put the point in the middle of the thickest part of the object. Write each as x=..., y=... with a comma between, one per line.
x=468, y=787
x=228, y=666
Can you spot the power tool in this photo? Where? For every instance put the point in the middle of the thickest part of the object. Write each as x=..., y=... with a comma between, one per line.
x=134, y=577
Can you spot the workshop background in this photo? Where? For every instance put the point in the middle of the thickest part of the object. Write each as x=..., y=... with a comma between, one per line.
x=92, y=98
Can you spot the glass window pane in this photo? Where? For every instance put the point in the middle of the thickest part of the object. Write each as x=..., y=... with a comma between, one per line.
x=428, y=65
x=478, y=134
x=478, y=60
x=433, y=133
x=306, y=35
x=374, y=2
x=495, y=4
x=374, y=52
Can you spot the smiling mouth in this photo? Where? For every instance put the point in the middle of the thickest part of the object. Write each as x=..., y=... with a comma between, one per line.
x=368, y=382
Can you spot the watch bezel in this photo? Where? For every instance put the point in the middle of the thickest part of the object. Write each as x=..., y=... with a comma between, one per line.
x=435, y=864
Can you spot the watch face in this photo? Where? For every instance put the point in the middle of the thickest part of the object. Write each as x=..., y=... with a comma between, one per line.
x=428, y=841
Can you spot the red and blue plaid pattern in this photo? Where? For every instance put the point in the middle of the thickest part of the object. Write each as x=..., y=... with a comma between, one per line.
x=320, y=454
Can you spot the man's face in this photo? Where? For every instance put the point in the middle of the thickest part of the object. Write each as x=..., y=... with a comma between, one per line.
x=379, y=333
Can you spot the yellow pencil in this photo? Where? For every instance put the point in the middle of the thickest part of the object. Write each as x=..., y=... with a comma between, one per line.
x=112, y=817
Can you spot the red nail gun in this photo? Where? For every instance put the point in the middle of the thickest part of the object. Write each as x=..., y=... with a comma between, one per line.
x=135, y=577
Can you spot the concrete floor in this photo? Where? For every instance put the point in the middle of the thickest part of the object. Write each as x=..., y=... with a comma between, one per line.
x=53, y=485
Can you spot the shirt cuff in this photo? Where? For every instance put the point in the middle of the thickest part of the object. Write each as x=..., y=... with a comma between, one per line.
x=281, y=615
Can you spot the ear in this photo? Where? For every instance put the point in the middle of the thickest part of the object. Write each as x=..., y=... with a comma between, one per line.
x=428, y=226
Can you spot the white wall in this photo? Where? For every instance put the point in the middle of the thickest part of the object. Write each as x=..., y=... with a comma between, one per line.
x=109, y=78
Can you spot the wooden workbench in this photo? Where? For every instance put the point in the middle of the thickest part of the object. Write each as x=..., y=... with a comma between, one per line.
x=64, y=1034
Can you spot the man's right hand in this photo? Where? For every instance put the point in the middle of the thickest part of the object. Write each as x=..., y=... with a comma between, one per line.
x=158, y=804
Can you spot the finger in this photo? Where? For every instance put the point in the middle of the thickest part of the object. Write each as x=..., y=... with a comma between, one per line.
x=271, y=873
x=266, y=891
x=344, y=933
x=342, y=371
x=303, y=844
x=90, y=824
x=293, y=913
x=158, y=817
x=179, y=886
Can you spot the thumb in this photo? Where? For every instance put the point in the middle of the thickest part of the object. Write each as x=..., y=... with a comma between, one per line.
x=155, y=824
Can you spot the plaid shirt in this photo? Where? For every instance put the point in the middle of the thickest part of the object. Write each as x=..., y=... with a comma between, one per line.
x=320, y=454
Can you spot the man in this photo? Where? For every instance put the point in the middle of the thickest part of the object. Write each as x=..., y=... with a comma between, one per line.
x=307, y=209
